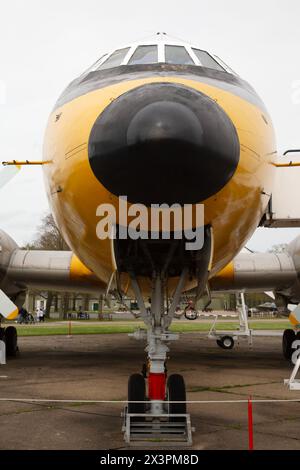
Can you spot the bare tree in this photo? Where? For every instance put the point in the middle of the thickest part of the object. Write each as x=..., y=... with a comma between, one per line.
x=48, y=237
x=280, y=248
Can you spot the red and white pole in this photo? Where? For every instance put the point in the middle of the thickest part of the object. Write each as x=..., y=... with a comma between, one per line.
x=250, y=424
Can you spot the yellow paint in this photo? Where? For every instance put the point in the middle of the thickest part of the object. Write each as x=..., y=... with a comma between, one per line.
x=223, y=278
x=79, y=272
x=75, y=193
x=18, y=164
x=293, y=320
x=13, y=315
x=286, y=165
x=211, y=250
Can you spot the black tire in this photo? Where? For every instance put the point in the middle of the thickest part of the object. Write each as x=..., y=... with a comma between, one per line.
x=136, y=393
x=176, y=392
x=219, y=343
x=227, y=342
x=287, y=339
x=2, y=334
x=11, y=341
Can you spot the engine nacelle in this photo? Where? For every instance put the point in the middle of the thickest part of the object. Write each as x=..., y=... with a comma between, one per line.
x=260, y=272
x=293, y=294
x=13, y=290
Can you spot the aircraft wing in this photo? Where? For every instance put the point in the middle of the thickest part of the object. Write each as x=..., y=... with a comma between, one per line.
x=257, y=272
x=261, y=272
x=51, y=270
x=63, y=271
x=42, y=270
x=7, y=308
x=7, y=173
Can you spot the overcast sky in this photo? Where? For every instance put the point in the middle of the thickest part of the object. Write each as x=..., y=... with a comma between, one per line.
x=45, y=44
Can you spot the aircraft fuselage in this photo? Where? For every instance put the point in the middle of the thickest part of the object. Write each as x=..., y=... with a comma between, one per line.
x=159, y=133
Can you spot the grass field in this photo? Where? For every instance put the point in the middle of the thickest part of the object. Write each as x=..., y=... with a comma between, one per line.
x=123, y=327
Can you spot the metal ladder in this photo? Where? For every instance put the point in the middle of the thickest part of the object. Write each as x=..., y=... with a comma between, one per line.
x=162, y=429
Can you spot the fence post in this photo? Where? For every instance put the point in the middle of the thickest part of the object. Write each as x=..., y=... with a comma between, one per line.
x=70, y=329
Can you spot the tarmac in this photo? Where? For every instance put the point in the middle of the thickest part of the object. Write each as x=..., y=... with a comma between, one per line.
x=97, y=367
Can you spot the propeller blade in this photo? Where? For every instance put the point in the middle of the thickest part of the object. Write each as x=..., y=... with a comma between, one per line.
x=7, y=173
x=7, y=308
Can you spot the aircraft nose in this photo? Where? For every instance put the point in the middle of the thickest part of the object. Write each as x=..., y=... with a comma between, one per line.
x=163, y=143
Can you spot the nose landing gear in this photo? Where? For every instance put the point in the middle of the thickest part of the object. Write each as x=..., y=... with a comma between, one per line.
x=160, y=414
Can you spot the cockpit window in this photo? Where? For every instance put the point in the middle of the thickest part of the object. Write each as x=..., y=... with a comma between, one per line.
x=207, y=60
x=177, y=55
x=159, y=49
x=144, y=55
x=115, y=59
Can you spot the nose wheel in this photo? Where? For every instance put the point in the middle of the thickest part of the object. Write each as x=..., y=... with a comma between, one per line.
x=160, y=416
x=176, y=393
x=157, y=411
x=136, y=394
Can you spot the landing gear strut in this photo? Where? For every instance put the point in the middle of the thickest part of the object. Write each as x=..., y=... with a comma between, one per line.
x=162, y=413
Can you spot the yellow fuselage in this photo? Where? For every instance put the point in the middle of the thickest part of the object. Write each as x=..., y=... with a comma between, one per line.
x=75, y=193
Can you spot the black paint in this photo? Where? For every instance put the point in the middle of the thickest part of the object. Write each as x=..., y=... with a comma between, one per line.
x=163, y=143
